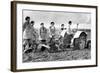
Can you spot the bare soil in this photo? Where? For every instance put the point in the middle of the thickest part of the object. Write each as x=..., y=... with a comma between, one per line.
x=57, y=56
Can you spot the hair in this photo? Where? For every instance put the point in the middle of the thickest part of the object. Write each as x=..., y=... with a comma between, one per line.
x=70, y=22
x=42, y=24
x=27, y=17
x=52, y=22
x=62, y=24
x=32, y=22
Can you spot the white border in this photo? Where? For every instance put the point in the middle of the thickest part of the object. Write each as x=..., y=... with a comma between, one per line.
x=33, y=65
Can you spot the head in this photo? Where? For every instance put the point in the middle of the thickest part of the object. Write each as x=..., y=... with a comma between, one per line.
x=32, y=23
x=52, y=23
x=70, y=22
x=42, y=24
x=27, y=18
x=62, y=25
x=77, y=24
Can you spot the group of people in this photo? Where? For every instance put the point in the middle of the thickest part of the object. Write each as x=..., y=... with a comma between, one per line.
x=31, y=35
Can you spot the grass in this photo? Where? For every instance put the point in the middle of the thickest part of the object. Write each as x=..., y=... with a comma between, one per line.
x=58, y=56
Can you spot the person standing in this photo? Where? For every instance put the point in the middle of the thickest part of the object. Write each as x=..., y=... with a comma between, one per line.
x=70, y=27
x=26, y=27
x=27, y=33
x=43, y=32
x=62, y=30
x=52, y=30
x=68, y=36
x=35, y=36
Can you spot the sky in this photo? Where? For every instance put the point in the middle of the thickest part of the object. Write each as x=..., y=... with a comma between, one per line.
x=83, y=19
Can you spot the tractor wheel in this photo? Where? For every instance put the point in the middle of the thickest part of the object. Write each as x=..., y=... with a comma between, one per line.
x=79, y=43
x=82, y=44
x=76, y=44
x=89, y=44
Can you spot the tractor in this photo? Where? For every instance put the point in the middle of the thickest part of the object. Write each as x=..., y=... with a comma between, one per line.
x=77, y=40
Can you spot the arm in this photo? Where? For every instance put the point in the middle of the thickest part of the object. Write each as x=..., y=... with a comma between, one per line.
x=24, y=26
x=54, y=29
x=40, y=31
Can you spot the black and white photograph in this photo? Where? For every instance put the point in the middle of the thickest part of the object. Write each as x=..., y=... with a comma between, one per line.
x=53, y=36
x=56, y=36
